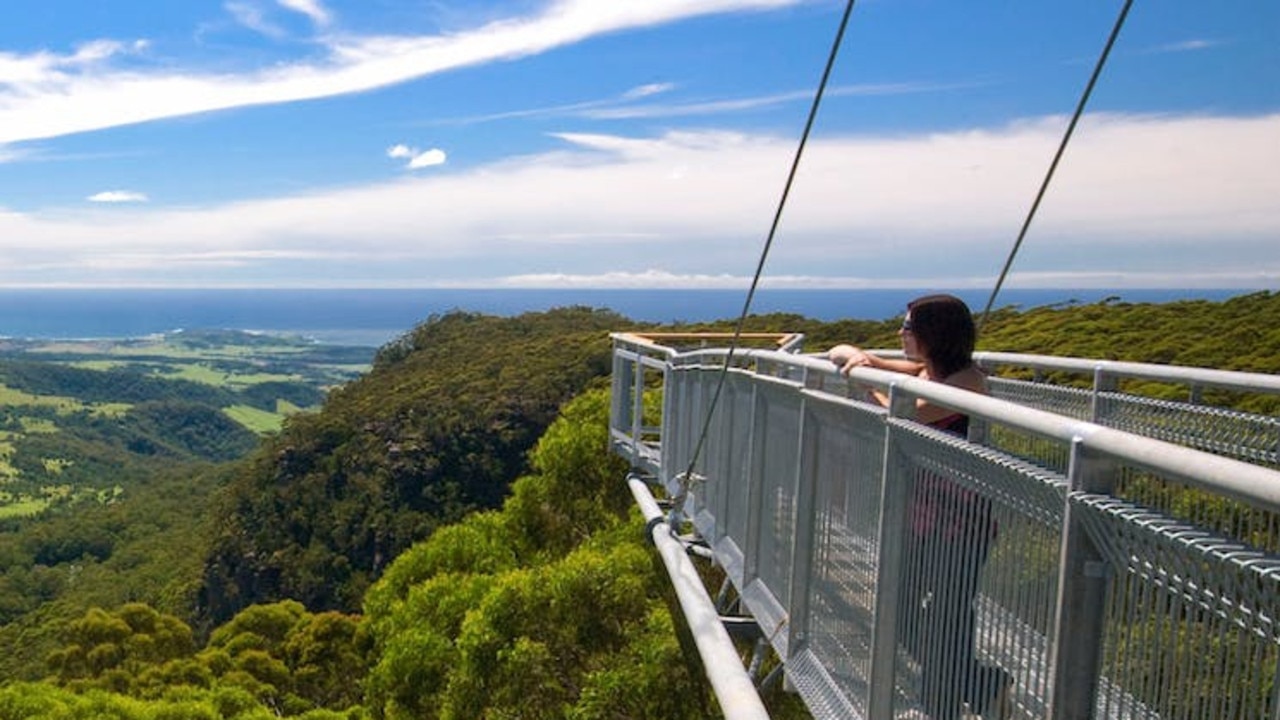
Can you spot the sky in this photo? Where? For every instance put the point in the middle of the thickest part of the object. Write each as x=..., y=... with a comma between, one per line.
x=636, y=143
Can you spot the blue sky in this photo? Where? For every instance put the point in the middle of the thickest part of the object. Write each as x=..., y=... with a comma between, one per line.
x=634, y=143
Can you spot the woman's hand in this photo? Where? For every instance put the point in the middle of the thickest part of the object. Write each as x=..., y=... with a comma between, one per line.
x=848, y=357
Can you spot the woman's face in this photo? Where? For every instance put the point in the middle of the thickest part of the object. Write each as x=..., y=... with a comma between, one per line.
x=910, y=345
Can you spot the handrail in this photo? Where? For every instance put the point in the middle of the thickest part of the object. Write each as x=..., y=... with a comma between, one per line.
x=1122, y=369
x=785, y=341
x=1242, y=481
x=1208, y=377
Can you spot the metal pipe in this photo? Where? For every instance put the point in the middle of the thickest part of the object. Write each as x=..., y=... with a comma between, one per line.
x=729, y=679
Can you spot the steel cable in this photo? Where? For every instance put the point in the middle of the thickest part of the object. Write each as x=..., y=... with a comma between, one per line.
x=1053, y=166
x=773, y=229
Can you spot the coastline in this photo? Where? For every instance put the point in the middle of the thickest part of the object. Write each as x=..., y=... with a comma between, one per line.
x=375, y=316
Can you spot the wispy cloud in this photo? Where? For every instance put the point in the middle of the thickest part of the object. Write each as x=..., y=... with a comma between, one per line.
x=744, y=104
x=117, y=196
x=46, y=95
x=653, y=279
x=578, y=109
x=313, y=9
x=253, y=16
x=1183, y=46
x=624, y=107
x=38, y=72
x=1150, y=194
x=648, y=90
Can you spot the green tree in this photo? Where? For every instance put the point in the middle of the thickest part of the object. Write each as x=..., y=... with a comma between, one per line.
x=523, y=612
x=109, y=649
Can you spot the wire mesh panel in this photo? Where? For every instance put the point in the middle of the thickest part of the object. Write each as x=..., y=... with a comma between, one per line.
x=728, y=479
x=622, y=423
x=843, y=456
x=776, y=452
x=680, y=402
x=688, y=396
x=634, y=417
x=978, y=585
x=1256, y=526
x=1030, y=447
x=716, y=457
x=1230, y=433
x=1191, y=618
x=1068, y=401
x=1245, y=436
x=712, y=470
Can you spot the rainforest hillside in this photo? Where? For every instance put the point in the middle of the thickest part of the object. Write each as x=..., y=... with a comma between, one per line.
x=438, y=428
x=447, y=537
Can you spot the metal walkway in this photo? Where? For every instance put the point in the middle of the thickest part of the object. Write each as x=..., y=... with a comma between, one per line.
x=1112, y=541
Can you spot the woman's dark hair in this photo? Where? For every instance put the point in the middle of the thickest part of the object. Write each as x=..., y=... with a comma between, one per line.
x=944, y=327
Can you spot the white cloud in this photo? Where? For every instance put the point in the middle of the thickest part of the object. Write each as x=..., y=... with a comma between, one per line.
x=660, y=279
x=417, y=158
x=427, y=158
x=654, y=279
x=1184, y=46
x=744, y=104
x=647, y=90
x=51, y=100
x=313, y=9
x=117, y=196
x=1136, y=199
x=253, y=16
x=33, y=73
x=588, y=108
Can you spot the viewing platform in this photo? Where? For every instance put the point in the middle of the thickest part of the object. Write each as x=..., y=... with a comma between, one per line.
x=1117, y=526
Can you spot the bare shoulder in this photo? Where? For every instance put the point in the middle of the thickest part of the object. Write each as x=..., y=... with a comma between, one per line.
x=970, y=378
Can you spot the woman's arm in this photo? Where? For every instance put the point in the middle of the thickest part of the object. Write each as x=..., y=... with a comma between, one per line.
x=848, y=357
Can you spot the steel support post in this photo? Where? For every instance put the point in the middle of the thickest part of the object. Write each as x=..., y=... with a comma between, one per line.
x=806, y=484
x=1081, y=603
x=893, y=514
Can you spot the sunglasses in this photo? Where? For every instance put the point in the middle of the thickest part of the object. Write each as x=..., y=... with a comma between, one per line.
x=906, y=326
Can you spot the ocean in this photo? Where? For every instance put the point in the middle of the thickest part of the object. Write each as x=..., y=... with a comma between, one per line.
x=373, y=317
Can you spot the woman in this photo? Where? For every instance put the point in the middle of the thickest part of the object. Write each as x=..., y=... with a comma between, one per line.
x=937, y=336
x=949, y=528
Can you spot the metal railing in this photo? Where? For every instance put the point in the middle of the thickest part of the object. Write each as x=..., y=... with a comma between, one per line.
x=895, y=568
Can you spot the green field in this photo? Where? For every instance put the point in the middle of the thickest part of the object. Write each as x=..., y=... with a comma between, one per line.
x=77, y=393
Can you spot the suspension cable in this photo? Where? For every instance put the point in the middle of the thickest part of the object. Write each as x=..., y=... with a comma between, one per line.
x=1053, y=166
x=773, y=229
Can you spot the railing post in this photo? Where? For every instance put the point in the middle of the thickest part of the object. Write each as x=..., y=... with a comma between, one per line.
x=805, y=532
x=618, y=394
x=1195, y=393
x=893, y=514
x=758, y=438
x=1102, y=382
x=1081, y=603
x=637, y=404
x=669, y=442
